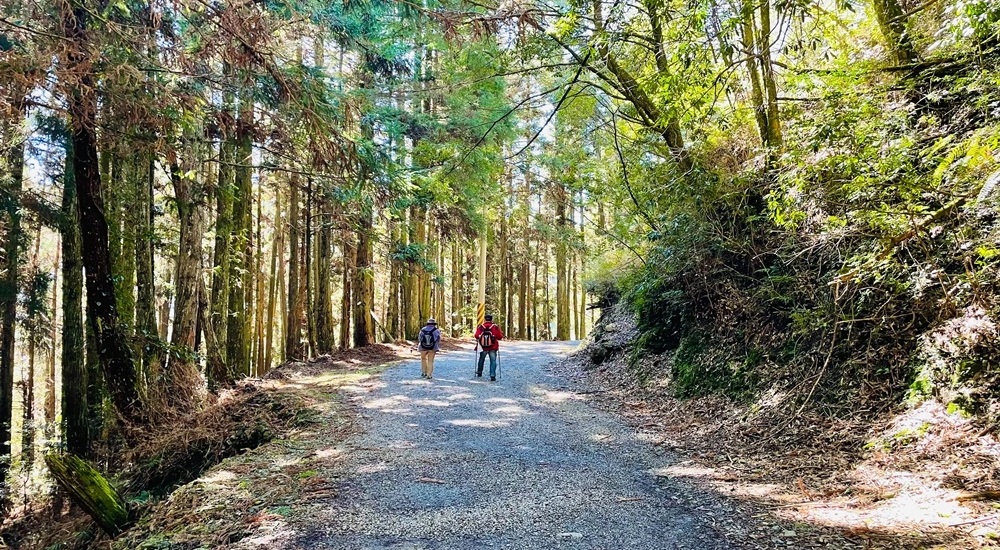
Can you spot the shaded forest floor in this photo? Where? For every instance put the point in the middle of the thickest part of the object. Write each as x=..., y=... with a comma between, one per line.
x=919, y=478
x=299, y=412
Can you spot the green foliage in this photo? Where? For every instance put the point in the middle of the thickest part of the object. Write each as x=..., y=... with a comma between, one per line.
x=698, y=370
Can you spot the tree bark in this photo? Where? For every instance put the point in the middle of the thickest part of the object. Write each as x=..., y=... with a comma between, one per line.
x=91, y=491
x=293, y=322
x=219, y=374
x=892, y=23
x=114, y=352
x=241, y=272
x=364, y=282
x=145, y=309
x=8, y=295
x=182, y=373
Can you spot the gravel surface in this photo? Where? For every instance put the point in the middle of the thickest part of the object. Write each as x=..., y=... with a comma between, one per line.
x=461, y=462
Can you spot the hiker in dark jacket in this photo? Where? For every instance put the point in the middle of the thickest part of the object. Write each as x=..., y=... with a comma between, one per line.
x=488, y=338
x=429, y=343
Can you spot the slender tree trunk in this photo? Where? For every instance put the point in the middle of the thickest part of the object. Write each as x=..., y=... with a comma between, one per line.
x=748, y=22
x=392, y=315
x=112, y=345
x=219, y=375
x=325, y=338
x=412, y=281
x=74, y=368
x=145, y=310
x=364, y=282
x=50, y=375
x=424, y=286
x=892, y=23
x=293, y=323
x=348, y=291
x=8, y=296
x=182, y=371
x=309, y=271
x=277, y=245
x=261, y=281
x=241, y=266
x=456, y=288
x=562, y=265
x=774, y=137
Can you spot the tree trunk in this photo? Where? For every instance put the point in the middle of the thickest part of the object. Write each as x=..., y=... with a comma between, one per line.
x=112, y=345
x=562, y=265
x=347, y=292
x=748, y=24
x=774, y=137
x=309, y=270
x=91, y=491
x=145, y=310
x=456, y=286
x=392, y=314
x=293, y=322
x=892, y=23
x=323, y=308
x=364, y=282
x=277, y=245
x=241, y=256
x=219, y=375
x=74, y=368
x=8, y=296
x=182, y=371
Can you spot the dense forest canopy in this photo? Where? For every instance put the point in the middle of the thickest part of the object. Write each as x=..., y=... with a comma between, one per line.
x=194, y=192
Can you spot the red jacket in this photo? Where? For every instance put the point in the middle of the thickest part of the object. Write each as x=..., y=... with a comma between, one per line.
x=497, y=335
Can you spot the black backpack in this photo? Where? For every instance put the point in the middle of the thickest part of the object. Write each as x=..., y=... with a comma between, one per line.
x=426, y=339
x=486, y=339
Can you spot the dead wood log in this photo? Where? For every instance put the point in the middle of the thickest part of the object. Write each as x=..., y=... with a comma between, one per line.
x=89, y=489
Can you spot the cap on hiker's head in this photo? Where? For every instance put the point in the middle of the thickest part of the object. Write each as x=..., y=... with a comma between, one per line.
x=488, y=318
x=432, y=321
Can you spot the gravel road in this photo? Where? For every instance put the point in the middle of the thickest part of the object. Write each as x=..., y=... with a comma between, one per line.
x=522, y=463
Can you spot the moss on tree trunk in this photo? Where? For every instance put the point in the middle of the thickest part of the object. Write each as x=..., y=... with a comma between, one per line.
x=90, y=490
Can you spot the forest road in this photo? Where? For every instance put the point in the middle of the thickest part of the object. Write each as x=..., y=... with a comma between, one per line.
x=460, y=462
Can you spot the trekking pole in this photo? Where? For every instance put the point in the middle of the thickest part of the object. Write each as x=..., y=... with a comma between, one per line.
x=499, y=370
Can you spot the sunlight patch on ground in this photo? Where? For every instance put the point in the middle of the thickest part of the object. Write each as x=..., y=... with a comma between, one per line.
x=217, y=477
x=502, y=400
x=334, y=379
x=556, y=396
x=372, y=468
x=686, y=469
x=386, y=402
x=601, y=437
x=457, y=396
x=329, y=452
x=512, y=410
x=477, y=423
x=431, y=403
x=270, y=530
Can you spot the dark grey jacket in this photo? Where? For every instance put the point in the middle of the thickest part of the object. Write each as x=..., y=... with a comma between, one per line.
x=435, y=332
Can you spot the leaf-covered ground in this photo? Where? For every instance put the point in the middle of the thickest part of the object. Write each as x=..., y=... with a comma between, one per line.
x=911, y=478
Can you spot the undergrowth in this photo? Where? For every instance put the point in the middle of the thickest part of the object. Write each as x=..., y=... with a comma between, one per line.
x=860, y=269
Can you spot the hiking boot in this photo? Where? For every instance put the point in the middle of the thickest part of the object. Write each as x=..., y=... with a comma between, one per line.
x=479, y=375
x=493, y=379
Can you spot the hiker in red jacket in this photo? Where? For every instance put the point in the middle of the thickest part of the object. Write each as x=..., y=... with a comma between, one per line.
x=488, y=338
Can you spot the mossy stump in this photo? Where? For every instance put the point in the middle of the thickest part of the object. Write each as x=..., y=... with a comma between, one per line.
x=90, y=490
